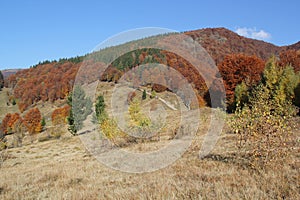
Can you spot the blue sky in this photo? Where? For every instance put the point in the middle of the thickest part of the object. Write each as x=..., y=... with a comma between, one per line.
x=33, y=31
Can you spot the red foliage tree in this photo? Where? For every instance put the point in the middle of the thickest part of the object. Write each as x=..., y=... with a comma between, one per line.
x=32, y=121
x=290, y=57
x=236, y=68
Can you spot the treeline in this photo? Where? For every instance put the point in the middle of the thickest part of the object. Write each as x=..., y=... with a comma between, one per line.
x=74, y=113
x=74, y=60
x=53, y=80
x=31, y=122
x=237, y=69
x=47, y=82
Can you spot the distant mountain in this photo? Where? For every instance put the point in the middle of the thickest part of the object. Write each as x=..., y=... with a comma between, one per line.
x=7, y=72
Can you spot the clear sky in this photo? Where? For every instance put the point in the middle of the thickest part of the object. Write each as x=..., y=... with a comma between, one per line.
x=37, y=30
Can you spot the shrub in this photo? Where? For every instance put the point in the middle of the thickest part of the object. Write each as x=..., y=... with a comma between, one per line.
x=109, y=128
x=264, y=124
x=136, y=115
x=153, y=94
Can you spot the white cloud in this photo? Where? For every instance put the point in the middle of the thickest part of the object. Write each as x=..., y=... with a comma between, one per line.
x=253, y=33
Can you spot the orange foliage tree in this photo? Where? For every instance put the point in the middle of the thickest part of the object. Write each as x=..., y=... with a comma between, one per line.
x=59, y=115
x=32, y=121
x=4, y=124
x=9, y=122
x=236, y=68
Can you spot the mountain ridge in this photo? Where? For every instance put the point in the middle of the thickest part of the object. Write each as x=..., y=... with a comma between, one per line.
x=212, y=33
x=52, y=80
x=219, y=42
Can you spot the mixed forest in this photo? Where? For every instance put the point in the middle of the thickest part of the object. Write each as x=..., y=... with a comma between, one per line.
x=252, y=72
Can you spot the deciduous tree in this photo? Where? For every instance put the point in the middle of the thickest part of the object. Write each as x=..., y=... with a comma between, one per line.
x=32, y=121
x=59, y=115
x=237, y=68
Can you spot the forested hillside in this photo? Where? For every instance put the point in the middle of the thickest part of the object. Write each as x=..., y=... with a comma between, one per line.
x=53, y=80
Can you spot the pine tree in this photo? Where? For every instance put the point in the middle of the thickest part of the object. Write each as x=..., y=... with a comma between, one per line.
x=144, y=96
x=100, y=108
x=43, y=122
x=81, y=107
x=1, y=81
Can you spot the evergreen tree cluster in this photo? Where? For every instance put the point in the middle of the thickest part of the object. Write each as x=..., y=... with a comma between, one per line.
x=1, y=81
x=81, y=107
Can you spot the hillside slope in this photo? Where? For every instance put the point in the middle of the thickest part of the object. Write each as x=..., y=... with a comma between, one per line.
x=51, y=81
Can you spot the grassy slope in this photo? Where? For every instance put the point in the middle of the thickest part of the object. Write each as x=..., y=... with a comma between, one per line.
x=4, y=109
x=46, y=108
x=63, y=169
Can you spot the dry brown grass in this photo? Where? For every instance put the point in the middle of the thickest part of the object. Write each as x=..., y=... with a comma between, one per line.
x=62, y=169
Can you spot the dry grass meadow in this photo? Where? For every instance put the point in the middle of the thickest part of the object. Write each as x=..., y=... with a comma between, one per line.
x=64, y=169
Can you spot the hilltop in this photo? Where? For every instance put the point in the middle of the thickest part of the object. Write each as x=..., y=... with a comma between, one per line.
x=52, y=80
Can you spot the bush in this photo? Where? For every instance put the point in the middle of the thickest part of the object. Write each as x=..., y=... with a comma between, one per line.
x=264, y=124
x=136, y=115
x=109, y=128
x=153, y=94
